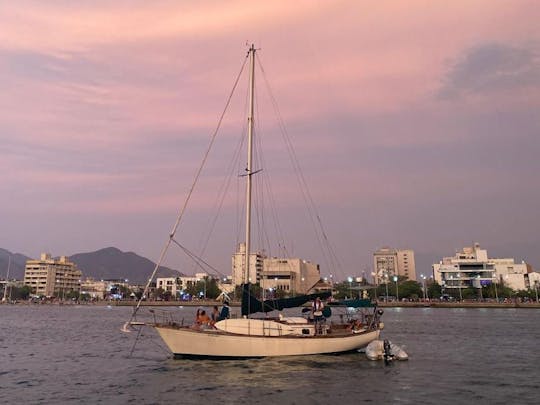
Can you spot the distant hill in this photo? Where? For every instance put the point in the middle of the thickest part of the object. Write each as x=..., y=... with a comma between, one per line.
x=108, y=263
x=112, y=263
x=16, y=269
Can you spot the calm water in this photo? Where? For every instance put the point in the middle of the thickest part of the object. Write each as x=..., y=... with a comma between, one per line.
x=63, y=355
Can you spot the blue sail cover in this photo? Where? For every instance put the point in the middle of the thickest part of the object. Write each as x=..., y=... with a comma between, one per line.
x=251, y=305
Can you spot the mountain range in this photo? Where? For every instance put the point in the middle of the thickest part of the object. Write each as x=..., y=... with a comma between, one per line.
x=107, y=263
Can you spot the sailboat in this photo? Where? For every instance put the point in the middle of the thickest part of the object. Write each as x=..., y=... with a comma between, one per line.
x=249, y=336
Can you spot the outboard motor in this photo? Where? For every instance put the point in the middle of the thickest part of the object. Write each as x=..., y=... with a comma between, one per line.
x=388, y=356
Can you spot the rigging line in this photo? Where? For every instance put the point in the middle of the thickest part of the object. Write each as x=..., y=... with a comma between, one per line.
x=327, y=249
x=267, y=185
x=197, y=259
x=240, y=200
x=266, y=194
x=136, y=340
x=222, y=193
x=303, y=183
x=314, y=212
x=266, y=190
x=199, y=171
x=259, y=189
x=239, y=212
x=296, y=167
x=220, y=196
x=330, y=246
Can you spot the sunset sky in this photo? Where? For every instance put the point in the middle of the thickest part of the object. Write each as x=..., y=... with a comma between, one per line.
x=416, y=124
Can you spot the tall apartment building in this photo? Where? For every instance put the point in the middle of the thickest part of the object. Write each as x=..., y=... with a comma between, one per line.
x=388, y=262
x=238, y=265
x=52, y=278
x=289, y=275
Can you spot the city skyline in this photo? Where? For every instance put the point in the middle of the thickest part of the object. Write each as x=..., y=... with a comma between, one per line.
x=419, y=117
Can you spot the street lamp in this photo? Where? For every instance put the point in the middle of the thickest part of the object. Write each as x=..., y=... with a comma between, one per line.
x=386, y=285
x=349, y=279
x=204, y=290
x=459, y=286
x=423, y=285
x=480, y=287
x=496, y=292
x=397, y=288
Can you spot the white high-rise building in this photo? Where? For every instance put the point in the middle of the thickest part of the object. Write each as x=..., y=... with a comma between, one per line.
x=472, y=268
x=388, y=262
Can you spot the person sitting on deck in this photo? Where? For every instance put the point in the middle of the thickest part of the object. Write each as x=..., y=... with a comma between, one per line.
x=197, y=315
x=215, y=314
x=203, y=320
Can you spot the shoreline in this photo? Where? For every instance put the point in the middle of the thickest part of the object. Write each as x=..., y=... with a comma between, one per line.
x=209, y=303
x=459, y=305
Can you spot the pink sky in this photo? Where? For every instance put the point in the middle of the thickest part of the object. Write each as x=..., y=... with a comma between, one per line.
x=416, y=122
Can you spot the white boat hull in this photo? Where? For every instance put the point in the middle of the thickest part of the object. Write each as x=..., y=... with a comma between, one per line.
x=190, y=342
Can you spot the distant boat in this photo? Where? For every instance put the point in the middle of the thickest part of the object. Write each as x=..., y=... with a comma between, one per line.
x=279, y=336
x=6, y=285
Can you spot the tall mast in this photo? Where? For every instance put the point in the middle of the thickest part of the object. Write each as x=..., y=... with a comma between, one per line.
x=249, y=172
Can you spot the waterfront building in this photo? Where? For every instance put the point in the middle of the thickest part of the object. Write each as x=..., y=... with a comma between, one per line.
x=178, y=285
x=238, y=265
x=96, y=289
x=52, y=278
x=295, y=275
x=473, y=268
x=389, y=262
x=186, y=281
x=170, y=284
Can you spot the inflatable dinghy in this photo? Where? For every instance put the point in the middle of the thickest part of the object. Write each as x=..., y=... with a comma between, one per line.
x=385, y=350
